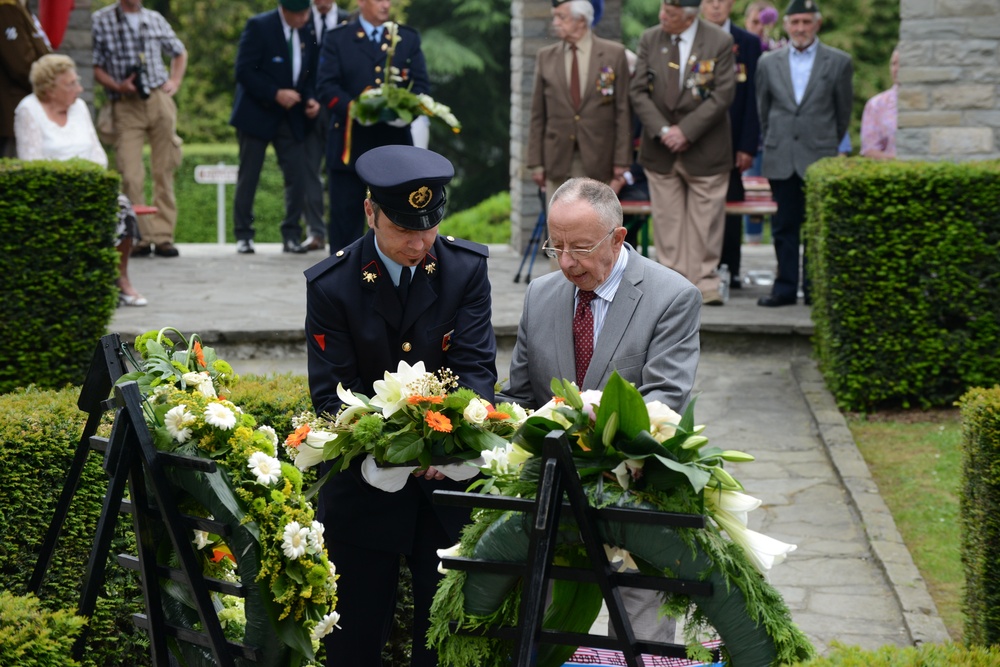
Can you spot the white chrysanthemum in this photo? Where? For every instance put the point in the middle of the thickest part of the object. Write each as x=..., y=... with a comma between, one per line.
x=392, y=391
x=315, y=541
x=476, y=411
x=178, y=420
x=201, y=539
x=325, y=626
x=270, y=433
x=294, y=540
x=266, y=468
x=220, y=416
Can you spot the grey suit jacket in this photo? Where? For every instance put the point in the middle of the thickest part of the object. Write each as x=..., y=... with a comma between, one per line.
x=796, y=135
x=650, y=336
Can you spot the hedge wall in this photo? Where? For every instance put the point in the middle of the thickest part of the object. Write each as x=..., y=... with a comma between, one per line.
x=906, y=291
x=980, y=514
x=58, y=267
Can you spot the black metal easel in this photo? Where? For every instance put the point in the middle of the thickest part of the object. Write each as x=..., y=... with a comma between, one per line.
x=130, y=458
x=534, y=243
x=558, y=481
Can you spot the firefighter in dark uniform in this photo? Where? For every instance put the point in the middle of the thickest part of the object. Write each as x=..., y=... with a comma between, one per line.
x=361, y=321
x=353, y=58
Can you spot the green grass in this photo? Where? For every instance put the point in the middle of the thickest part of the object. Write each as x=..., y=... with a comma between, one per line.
x=916, y=460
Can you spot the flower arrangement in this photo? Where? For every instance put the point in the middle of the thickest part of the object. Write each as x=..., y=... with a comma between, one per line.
x=274, y=545
x=415, y=419
x=628, y=453
x=393, y=103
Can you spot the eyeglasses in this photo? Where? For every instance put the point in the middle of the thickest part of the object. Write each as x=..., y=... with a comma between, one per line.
x=576, y=253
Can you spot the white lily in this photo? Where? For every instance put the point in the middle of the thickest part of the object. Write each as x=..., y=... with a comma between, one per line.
x=626, y=471
x=310, y=450
x=662, y=421
x=450, y=552
x=548, y=411
x=391, y=393
x=354, y=405
x=619, y=558
x=763, y=551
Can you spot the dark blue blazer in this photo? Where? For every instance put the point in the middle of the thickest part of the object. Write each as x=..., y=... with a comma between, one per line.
x=743, y=112
x=262, y=68
x=348, y=64
x=356, y=330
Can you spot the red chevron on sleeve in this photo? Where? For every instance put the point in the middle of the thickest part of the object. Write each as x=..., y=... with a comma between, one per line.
x=321, y=341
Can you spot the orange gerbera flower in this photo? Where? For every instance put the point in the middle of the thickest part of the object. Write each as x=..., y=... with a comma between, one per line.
x=558, y=399
x=416, y=400
x=497, y=415
x=438, y=421
x=295, y=439
x=199, y=355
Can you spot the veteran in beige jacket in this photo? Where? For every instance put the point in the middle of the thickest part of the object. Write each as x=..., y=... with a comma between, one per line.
x=587, y=133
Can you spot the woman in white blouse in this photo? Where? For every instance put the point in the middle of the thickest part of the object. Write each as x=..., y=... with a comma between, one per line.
x=54, y=124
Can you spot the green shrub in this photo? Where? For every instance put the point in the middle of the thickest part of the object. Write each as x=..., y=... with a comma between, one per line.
x=39, y=430
x=31, y=636
x=59, y=266
x=925, y=655
x=902, y=257
x=980, y=514
x=487, y=222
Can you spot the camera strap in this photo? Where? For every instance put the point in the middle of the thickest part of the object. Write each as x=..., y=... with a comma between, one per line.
x=140, y=36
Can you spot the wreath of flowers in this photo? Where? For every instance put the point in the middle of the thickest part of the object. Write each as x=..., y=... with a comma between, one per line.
x=274, y=545
x=415, y=419
x=628, y=453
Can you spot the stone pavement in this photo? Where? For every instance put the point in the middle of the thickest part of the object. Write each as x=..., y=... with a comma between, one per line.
x=851, y=579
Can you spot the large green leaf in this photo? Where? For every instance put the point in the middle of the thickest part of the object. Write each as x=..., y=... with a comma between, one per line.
x=698, y=477
x=405, y=447
x=623, y=398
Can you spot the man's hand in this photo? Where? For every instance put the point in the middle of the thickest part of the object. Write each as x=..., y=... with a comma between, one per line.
x=288, y=97
x=743, y=161
x=127, y=86
x=674, y=140
x=538, y=176
x=312, y=108
x=430, y=473
x=171, y=87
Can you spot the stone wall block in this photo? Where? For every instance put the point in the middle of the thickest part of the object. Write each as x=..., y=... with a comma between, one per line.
x=964, y=97
x=929, y=30
x=916, y=9
x=913, y=54
x=968, y=8
x=913, y=99
x=971, y=52
x=929, y=119
x=918, y=75
x=912, y=143
x=962, y=141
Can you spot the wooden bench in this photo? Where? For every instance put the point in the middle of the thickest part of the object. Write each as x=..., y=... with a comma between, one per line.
x=752, y=205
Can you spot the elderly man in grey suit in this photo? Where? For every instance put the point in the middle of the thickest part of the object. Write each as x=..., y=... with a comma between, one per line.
x=610, y=310
x=804, y=95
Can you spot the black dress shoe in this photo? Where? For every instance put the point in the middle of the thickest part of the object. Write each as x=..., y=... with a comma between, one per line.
x=165, y=250
x=293, y=246
x=735, y=282
x=141, y=251
x=244, y=246
x=773, y=301
x=314, y=243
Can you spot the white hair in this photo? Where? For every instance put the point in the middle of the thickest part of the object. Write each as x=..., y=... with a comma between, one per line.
x=581, y=9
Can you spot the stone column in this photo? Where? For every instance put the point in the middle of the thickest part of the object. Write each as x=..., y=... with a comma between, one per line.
x=949, y=80
x=530, y=30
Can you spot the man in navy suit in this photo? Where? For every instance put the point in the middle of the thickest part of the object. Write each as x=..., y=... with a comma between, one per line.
x=360, y=324
x=352, y=59
x=275, y=103
x=744, y=124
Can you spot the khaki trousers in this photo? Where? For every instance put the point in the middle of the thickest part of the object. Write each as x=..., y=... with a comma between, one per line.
x=155, y=120
x=688, y=222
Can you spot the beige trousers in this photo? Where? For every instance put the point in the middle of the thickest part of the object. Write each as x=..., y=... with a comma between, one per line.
x=155, y=120
x=689, y=214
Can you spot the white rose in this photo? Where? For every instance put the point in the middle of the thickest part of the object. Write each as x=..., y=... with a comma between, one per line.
x=476, y=411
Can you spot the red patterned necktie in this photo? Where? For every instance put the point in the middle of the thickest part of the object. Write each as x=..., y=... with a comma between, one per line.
x=574, y=79
x=583, y=334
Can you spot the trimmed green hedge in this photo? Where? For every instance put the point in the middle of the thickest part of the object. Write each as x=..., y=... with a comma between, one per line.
x=59, y=268
x=903, y=260
x=925, y=655
x=980, y=514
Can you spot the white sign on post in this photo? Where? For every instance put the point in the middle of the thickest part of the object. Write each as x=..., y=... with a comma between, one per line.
x=220, y=174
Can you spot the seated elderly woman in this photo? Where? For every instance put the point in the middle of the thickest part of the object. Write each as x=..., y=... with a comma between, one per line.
x=54, y=124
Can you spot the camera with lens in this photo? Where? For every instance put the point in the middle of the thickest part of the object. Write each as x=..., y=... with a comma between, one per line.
x=141, y=80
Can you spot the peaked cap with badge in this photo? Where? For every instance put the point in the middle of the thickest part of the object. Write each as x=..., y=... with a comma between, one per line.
x=296, y=5
x=802, y=7
x=407, y=182
x=683, y=3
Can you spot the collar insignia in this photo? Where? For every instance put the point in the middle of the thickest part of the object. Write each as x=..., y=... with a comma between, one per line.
x=431, y=267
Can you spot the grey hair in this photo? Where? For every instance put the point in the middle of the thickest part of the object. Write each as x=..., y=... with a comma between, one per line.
x=691, y=11
x=601, y=198
x=582, y=9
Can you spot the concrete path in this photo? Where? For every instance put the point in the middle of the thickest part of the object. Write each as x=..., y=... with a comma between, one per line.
x=851, y=579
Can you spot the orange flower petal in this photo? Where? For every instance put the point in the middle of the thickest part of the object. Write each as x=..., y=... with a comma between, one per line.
x=296, y=438
x=438, y=421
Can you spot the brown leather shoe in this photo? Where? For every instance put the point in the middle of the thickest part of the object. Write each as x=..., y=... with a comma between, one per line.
x=166, y=250
x=314, y=243
x=141, y=251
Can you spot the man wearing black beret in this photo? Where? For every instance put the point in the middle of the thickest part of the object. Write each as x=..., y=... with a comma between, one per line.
x=400, y=293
